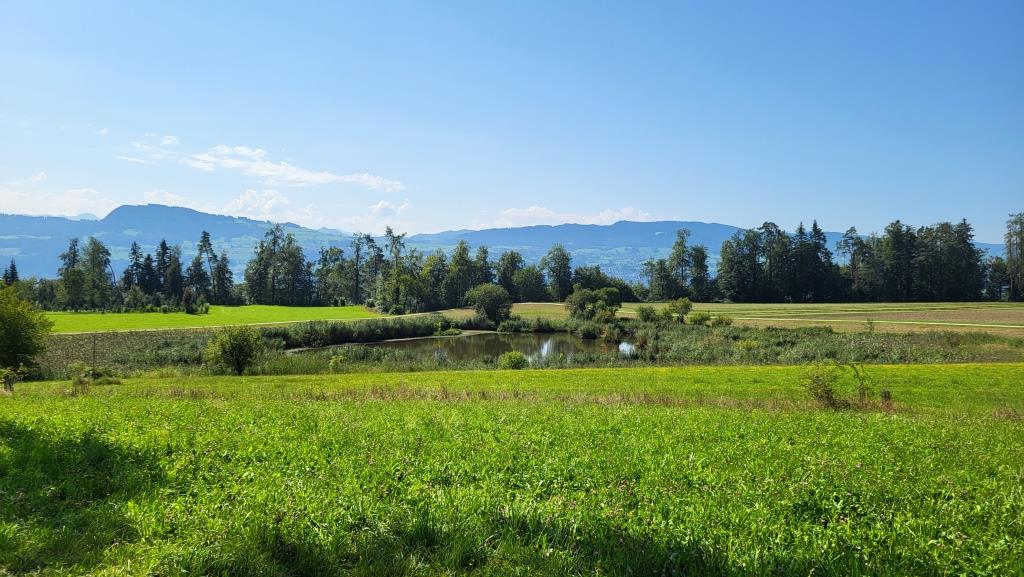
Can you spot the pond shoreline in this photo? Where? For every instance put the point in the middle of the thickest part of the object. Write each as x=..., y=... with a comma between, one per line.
x=465, y=333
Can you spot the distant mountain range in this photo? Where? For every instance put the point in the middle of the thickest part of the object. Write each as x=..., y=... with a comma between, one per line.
x=36, y=241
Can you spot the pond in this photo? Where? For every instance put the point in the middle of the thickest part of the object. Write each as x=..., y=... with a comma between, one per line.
x=480, y=345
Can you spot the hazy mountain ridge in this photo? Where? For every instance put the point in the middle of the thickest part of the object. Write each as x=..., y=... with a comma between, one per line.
x=620, y=248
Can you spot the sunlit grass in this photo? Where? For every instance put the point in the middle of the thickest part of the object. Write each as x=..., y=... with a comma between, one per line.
x=705, y=471
x=70, y=322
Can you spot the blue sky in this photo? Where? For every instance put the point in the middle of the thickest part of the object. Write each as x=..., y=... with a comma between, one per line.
x=479, y=114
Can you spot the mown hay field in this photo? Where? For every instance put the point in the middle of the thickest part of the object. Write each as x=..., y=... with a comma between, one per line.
x=650, y=471
x=1005, y=319
x=87, y=322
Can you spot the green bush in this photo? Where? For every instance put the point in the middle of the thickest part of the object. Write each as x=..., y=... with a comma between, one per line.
x=9, y=377
x=721, y=321
x=83, y=375
x=491, y=301
x=821, y=381
x=337, y=362
x=679, y=308
x=235, y=348
x=514, y=360
x=23, y=329
x=646, y=313
x=699, y=318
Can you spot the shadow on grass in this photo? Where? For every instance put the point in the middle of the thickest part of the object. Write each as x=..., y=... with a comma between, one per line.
x=423, y=545
x=58, y=497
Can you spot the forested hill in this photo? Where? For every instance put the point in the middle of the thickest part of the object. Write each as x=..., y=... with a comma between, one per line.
x=35, y=242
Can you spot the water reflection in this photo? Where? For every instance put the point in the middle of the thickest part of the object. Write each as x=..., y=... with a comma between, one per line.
x=479, y=346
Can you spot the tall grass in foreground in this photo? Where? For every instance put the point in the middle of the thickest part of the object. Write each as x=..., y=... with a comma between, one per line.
x=603, y=472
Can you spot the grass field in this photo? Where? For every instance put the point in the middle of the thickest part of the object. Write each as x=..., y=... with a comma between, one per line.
x=704, y=471
x=67, y=322
x=998, y=318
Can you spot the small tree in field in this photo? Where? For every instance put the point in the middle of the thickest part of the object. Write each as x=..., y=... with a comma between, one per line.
x=23, y=330
x=490, y=300
x=680, y=308
x=236, y=348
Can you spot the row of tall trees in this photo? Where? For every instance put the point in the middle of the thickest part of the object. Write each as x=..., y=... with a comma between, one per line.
x=86, y=280
x=684, y=273
x=765, y=264
x=929, y=263
x=387, y=274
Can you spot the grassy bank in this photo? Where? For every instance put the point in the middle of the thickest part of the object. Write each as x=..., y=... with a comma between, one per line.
x=711, y=471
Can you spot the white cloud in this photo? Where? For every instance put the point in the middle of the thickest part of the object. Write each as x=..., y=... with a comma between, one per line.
x=103, y=131
x=387, y=208
x=511, y=217
x=37, y=177
x=258, y=204
x=71, y=202
x=134, y=159
x=249, y=161
x=254, y=162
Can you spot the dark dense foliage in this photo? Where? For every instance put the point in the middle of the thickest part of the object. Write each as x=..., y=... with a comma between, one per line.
x=930, y=263
x=766, y=264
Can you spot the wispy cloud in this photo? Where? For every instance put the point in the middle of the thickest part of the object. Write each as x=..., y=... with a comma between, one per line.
x=255, y=163
x=103, y=131
x=511, y=217
x=134, y=159
x=248, y=161
x=37, y=177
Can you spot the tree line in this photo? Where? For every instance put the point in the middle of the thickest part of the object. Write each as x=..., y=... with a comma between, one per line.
x=764, y=264
x=904, y=263
x=86, y=279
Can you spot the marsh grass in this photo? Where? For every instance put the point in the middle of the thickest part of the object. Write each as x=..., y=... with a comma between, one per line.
x=657, y=343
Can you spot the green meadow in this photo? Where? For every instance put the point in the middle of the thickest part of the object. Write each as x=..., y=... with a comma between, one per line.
x=85, y=322
x=643, y=471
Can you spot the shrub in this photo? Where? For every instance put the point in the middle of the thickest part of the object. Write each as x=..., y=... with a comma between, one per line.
x=9, y=377
x=513, y=325
x=23, y=329
x=589, y=331
x=863, y=387
x=598, y=305
x=646, y=313
x=513, y=360
x=491, y=301
x=236, y=348
x=822, y=380
x=83, y=375
x=700, y=318
x=542, y=325
x=337, y=362
x=721, y=321
x=680, y=308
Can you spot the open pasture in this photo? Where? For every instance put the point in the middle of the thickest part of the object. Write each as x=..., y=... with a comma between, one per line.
x=710, y=471
x=1005, y=319
x=71, y=322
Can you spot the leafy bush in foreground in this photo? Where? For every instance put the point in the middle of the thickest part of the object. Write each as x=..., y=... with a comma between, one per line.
x=236, y=348
x=513, y=360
